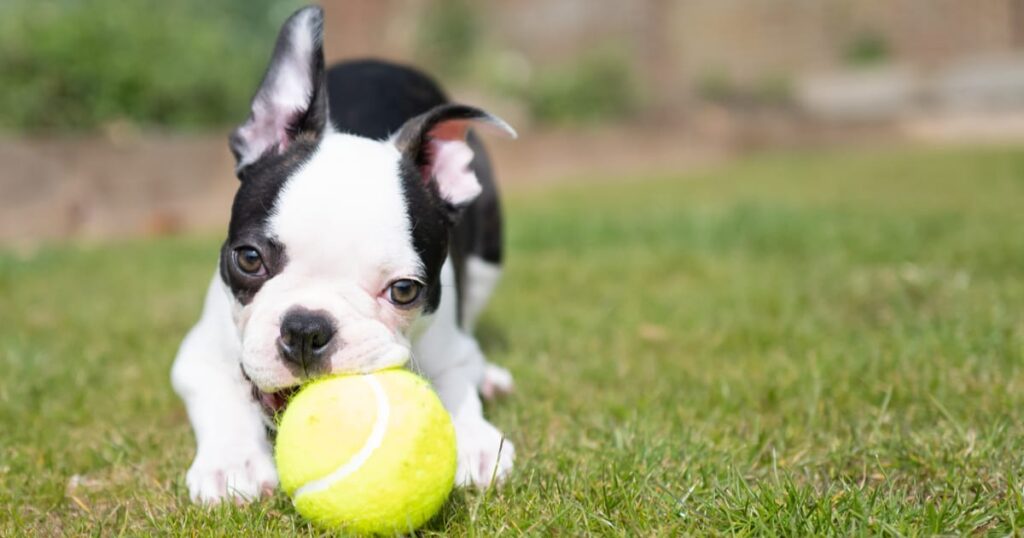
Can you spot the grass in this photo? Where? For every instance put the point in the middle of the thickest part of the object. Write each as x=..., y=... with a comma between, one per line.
x=789, y=345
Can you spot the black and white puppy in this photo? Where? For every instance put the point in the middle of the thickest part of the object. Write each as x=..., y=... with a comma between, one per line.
x=365, y=234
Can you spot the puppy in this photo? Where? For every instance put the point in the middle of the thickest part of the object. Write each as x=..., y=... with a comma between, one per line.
x=365, y=234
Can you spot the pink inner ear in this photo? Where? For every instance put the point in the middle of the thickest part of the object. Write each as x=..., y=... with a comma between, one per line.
x=447, y=131
x=449, y=166
x=450, y=130
x=266, y=130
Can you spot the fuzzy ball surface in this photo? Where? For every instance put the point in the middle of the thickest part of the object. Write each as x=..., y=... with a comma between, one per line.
x=370, y=454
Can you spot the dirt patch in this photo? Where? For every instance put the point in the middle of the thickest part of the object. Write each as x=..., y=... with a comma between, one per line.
x=101, y=187
x=128, y=184
x=150, y=184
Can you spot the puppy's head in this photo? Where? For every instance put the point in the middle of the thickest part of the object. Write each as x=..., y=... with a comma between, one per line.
x=336, y=242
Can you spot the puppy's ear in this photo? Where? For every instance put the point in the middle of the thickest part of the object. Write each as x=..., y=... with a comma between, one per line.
x=435, y=143
x=292, y=99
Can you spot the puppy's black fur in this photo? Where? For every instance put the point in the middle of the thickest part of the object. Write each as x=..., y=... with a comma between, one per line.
x=374, y=99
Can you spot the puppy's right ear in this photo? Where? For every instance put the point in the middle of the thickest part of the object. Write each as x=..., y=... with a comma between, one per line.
x=292, y=99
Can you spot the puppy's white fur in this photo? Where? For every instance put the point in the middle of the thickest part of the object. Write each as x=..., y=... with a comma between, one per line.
x=344, y=226
x=343, y=222
x=233, y=458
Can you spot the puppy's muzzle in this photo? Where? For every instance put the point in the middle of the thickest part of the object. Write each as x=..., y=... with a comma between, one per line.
x=307, y=338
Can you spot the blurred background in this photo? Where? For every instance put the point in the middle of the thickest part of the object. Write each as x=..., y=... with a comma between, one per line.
x=114, y=115
x=765, y=267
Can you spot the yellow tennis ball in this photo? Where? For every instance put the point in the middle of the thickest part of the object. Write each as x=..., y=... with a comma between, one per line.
x=371, y=454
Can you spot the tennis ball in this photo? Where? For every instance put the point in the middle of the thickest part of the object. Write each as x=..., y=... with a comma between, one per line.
x=370, y=454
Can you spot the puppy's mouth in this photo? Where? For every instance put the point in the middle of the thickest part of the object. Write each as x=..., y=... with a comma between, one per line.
x=275, y=402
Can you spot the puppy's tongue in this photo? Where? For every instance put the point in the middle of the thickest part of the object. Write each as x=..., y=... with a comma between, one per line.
x=275, y=402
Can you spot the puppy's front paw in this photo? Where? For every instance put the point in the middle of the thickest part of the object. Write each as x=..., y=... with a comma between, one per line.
x=240, y=476
x=496, y=382
x=485, y=455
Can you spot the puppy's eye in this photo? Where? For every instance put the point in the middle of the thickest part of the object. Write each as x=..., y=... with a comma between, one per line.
x=404, y=292
x=249, y=261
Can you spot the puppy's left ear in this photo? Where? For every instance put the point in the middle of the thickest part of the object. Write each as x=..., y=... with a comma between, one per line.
x=291, y=102
x=435, y=143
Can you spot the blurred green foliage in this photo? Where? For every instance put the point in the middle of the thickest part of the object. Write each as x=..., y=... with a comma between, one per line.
x=448, y=37
x=716, y=87
x=78, y=64
x=867, y=48
x=771, y=91
x=596, y=87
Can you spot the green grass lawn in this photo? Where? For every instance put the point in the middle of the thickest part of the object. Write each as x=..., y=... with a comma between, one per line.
x=792, y=344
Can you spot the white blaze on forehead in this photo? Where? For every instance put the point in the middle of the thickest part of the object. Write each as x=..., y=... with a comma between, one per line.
x=343, y=214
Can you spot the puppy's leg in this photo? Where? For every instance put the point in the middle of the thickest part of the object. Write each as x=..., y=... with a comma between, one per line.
x=495, y=382
x=233, y=455
x=481, y=277
x=453, y=362
x=484, y=452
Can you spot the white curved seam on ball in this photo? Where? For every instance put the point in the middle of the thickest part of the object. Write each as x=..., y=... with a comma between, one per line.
x=373, y=442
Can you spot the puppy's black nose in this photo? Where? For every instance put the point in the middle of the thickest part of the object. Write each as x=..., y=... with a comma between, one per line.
x=305, y=337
